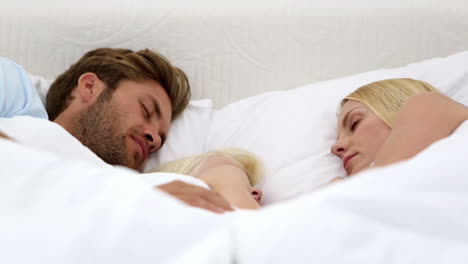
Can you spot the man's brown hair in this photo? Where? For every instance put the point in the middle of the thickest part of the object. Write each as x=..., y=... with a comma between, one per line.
x=115, y=65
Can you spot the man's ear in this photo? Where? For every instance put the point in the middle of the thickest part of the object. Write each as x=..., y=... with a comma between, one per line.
x=89, y=87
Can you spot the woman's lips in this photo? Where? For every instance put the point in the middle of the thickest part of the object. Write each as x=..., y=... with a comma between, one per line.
x=346, y=161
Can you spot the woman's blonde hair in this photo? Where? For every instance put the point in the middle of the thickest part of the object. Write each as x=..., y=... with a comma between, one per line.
x=245, y=160
x=385, y=97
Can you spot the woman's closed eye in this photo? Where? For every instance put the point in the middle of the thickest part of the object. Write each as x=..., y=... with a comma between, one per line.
x=355, y=124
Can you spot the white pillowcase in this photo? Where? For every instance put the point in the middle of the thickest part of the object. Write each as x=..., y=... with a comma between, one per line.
x=42, y=86
x=186, y=136
x=292, y=131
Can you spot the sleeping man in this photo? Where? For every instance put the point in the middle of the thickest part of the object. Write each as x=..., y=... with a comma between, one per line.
x=116, y=102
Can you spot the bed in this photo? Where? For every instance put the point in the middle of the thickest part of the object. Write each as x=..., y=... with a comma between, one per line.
x=266, y=76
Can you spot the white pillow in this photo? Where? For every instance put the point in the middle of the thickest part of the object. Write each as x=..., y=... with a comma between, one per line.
x=42, y=85
x=186, y=136
x=292, y=131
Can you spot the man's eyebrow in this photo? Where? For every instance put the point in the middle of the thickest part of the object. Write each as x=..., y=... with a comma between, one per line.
x=157, y=107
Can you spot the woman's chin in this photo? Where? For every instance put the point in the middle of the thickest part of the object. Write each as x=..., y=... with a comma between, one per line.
x=358, y=169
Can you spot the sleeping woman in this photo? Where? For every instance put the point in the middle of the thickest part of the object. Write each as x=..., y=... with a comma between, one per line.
x=230, y=172
x=392, y=120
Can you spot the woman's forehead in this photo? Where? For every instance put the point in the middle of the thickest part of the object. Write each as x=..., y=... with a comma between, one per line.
x=350, y=105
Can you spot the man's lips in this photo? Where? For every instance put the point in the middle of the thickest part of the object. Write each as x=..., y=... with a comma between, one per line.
x=347, y=159
x=143, y=147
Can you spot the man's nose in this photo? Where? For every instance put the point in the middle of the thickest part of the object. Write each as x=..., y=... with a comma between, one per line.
x=153, y=139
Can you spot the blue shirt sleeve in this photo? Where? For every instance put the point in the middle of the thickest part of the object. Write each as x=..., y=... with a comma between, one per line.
x=17, y=95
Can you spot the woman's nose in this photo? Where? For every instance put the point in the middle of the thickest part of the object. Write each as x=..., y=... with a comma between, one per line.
x=338, y=149
x=257, y=194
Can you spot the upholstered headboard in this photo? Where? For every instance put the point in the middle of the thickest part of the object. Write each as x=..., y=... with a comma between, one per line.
x=234, y=49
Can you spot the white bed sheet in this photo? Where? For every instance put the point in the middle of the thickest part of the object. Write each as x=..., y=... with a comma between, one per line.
x=50, y=137
x=60, y=210
x=54, y=209
x=411, y=212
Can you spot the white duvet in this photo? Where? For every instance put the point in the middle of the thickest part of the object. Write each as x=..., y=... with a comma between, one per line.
x=412, y=212
x=56, y=209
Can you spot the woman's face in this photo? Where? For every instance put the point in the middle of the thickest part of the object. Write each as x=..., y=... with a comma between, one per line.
x=361, y=133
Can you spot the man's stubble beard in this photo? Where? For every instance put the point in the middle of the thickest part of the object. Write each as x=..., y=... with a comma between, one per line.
x=97, y=127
